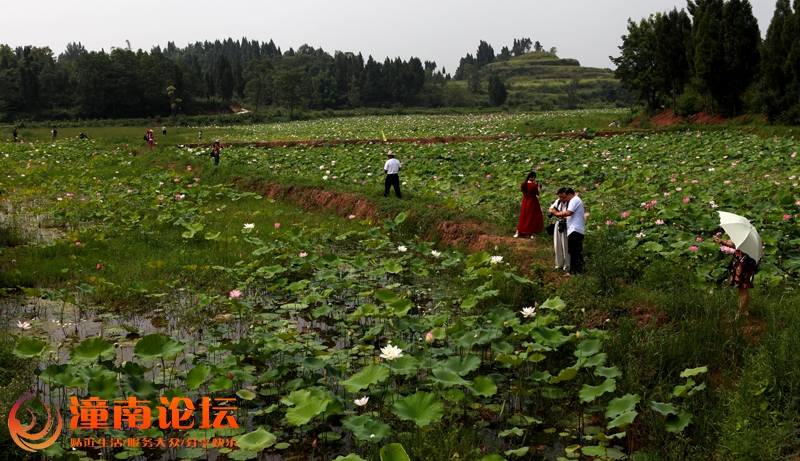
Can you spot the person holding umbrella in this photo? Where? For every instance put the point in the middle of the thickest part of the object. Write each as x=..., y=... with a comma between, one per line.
x=748, y=251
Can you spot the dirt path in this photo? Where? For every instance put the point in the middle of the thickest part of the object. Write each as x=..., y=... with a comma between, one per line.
x=433, y=140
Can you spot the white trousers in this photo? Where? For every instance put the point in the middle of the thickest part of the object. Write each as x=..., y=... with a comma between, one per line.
x=562, y=252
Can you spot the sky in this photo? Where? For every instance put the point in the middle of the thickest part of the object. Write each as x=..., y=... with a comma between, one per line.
x=442, y=31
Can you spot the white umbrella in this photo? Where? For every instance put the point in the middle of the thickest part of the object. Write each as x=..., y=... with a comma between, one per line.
x=743, y=235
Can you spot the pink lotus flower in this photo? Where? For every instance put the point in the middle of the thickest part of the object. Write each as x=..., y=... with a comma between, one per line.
x=693, y=248
x=235, y=293
x=609, y=223
x=99, y=266
x=625, y=214
x=659, y=222
x=303, y=254
x=488, y=176
x=352, y=216
x=686, y=199
x=678, y=189
x=786, y=216
x=188, y=168
x=429, y=337
x=77, y=244
x=277, y=225
x=698, y=239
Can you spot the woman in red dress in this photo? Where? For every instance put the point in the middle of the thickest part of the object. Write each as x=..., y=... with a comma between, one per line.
x=530, y=214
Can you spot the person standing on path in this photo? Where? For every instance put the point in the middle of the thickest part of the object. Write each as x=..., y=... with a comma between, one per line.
x=560, y=231
x=743, y=269
x=392, y=170
x=164, y=130
x=576, y=228
x=15, y=134
x=149, y=138
x=215, y=150
x=530, y=213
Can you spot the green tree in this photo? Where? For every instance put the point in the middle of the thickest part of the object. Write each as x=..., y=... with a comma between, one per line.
x=223, y=79
x=636, y=68
x=258, y=78
x=290, y=90
x=497, y=91
x=709, y=50
x=325, y=94
x=779, y=80
x=485, y=54
x=741, y=43
x=673, y=32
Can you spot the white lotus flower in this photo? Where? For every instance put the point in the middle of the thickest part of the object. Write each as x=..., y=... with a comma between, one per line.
x=24, y=325
x=362, y=401
x=496, y=259
x=249, y=225
x=391, y=352
x=529, y=311
x=402, y=249
x=435, y=253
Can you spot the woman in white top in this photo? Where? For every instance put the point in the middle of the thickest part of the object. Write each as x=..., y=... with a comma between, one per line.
x=560, y=232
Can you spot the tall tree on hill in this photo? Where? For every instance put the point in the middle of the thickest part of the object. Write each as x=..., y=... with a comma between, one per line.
x=289, y=90
x=223, y=79
x=741, y=43
x=258, y=77
x=497, y=91
x=462, y=65
x=709, y=50
x=673, y=31
x=636, y=66
x=521, y=46
x=781, y=83
x=485, y=54
x=238, y=81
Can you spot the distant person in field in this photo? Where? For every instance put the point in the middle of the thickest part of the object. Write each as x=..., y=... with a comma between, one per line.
x=200, y=135
x=54, y=132
x=215, y=150
x=149, y=139
x=82, y=136
x=392, y=170
x=15, y=134
x=743, y=270
x=560, y=231
x=530, y=213
x=576, y=228
x=164, y=130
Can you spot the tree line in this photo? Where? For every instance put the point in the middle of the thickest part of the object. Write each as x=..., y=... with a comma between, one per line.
x=207, y=76
x=712, y=58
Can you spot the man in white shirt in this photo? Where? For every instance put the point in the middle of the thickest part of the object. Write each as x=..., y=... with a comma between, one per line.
x=392, y=168
x=576, y=228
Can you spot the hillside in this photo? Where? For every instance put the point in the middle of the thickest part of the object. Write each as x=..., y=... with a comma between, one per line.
x=543, y=81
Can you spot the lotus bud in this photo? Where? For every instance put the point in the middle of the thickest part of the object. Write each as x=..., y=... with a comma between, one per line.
x=577, y=334
x=429, y=337
x=314, y=443
x=230, y=375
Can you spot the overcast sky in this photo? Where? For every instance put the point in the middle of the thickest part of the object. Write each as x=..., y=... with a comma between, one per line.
x=434, y=30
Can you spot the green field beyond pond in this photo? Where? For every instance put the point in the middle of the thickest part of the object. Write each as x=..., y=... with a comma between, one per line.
x=129, y=273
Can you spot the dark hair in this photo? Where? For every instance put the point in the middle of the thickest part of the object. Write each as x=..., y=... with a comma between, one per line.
x=562, y=190
x=532, y=174
x=570, y=191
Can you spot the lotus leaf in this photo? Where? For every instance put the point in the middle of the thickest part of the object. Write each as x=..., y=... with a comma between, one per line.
x=256, y=441
x=29, y=348
x=421, y=407
x=367, y=428
x=156, y=346
x=394, y=452
x=92, y=349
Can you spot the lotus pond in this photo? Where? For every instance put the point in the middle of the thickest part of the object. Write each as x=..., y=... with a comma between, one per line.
x=153, y=276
